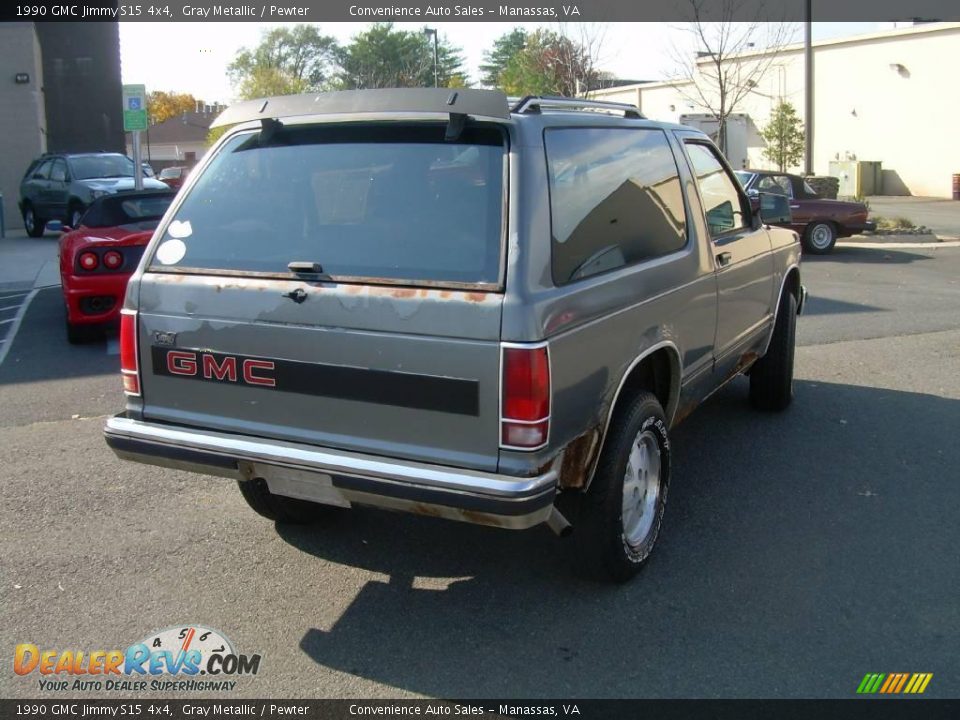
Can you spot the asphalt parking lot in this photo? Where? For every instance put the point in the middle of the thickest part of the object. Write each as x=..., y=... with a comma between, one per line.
x=800, y=551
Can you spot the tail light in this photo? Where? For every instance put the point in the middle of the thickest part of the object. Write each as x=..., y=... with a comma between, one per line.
x=112, y=260
x=129, y=369
x=525, y=400
x=89, y=261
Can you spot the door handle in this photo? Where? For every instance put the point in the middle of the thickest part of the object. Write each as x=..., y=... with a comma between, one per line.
x=724, y=259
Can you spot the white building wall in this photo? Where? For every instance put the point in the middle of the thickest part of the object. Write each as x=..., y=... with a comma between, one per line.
x=889, y=97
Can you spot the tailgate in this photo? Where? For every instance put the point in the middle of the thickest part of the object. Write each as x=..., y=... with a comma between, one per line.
x=390, y=371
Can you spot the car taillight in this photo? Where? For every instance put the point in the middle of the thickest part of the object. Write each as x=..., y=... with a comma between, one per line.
x=112, y=259
x=128, y=352
x=89, y=261
x=525, y=401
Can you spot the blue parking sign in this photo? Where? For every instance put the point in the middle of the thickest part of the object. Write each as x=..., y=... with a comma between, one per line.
x=134, y=103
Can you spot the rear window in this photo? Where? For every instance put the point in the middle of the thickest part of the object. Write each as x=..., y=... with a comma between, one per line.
x=374, y=202
x=127, y=209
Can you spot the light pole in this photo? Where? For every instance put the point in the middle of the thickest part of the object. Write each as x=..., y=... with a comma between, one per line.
x=436, y=76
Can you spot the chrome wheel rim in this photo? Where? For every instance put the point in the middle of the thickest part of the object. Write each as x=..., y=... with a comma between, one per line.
x=641, y=488
x=28, y=220
x=821, y=236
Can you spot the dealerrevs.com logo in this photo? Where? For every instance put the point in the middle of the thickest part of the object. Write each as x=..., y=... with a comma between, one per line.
x=186, y=658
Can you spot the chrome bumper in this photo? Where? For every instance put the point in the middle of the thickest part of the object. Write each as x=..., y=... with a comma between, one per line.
x=338, y=477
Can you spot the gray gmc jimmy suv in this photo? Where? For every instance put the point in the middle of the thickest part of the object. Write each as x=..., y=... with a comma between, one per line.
x=455, y=304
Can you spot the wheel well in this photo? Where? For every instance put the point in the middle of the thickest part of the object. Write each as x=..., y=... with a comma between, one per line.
x=653, y=374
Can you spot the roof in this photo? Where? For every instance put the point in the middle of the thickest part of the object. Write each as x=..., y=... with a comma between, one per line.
x=183, y=128
x=896, y=33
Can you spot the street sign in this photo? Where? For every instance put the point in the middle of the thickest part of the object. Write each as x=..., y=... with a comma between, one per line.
x=134, y=108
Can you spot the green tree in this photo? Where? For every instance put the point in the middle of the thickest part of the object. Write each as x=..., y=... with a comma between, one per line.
x=162, y=105
x=267, y=81
x=551, y=63
x=383, y=57
x=784, y=137
x=496, y=59
x=287, y=60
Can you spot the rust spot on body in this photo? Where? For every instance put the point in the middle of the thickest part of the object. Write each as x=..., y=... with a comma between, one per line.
x=421, y=509
x=578, y=459
x=480, y=518
x=476, y=296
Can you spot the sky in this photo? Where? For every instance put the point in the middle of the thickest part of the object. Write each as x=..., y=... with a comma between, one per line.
x=192, y=57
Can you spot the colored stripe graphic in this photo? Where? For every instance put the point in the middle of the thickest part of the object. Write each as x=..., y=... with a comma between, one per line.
x=894, y=683
x=903, y=679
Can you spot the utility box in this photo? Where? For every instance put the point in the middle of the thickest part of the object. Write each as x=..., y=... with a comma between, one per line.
x=858, y=178
x=738, y=127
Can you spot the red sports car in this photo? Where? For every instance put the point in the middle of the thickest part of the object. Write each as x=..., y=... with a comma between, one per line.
x=98, y=257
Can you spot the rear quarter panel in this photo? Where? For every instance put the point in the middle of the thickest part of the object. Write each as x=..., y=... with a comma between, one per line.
x=599, y=326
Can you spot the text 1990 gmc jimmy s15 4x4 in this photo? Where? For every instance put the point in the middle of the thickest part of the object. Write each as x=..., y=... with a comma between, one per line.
x=453, y=303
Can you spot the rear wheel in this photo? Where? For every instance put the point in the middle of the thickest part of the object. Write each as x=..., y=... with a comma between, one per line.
x=277, y=507
x=621, y=514
x=73, y=217
x=78, y=334
x=771, y=377
x=820, y=237
x=33, y=224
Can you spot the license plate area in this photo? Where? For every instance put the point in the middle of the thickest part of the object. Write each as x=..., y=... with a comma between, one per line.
x=301, y=484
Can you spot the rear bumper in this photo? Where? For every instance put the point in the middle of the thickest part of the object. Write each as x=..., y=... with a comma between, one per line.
x=337, y=477
x=77, y=288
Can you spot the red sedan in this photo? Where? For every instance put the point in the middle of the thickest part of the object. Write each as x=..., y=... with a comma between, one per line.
x=98, y=257
x=819, y=221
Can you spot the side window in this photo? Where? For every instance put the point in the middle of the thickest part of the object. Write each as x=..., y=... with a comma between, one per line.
x=777, y=184
x=722, y=202
x=43, y=172
x=59, y=171
x=615, y=199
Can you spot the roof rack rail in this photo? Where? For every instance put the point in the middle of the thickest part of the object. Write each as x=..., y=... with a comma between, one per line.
x=536, y=103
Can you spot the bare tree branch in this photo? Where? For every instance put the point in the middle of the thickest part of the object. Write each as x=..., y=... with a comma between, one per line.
x=727, y=59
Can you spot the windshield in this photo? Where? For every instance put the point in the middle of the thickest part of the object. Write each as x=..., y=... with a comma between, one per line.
x=389, y=202
x=743, y=176
x=86, y=167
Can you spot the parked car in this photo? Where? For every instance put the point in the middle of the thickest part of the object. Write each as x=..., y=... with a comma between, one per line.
x=61, y=186
x=819, y=221
x=174, y=176
x=443, y=302
x=97, y=258
x=148, y=170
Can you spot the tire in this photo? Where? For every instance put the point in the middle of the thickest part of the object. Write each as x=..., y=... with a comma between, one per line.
x=74, y=215
x=81, y=334
x=613, y=539
x=820, y=237
x=278, y=508
x=771, y=377
x=31, y=223
x=78, y=334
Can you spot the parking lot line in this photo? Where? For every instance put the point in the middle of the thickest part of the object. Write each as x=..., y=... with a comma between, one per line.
x=15, y=324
